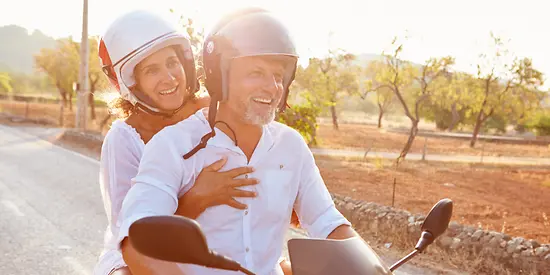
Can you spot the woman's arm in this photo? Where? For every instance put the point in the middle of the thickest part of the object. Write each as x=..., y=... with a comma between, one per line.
x=213, y=188
x=119, y=163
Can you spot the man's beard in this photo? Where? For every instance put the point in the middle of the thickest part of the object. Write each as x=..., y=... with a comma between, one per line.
x=253, y=116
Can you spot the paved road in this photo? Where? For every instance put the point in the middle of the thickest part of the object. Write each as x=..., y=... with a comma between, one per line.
x=51, y=216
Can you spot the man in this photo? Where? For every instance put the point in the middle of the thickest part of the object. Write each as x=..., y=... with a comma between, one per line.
x=250, y=62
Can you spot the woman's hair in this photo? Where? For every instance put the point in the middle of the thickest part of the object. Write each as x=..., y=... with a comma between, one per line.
x=120, y=107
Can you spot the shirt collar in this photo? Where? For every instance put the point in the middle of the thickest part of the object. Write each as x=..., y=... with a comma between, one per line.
x=224, y=141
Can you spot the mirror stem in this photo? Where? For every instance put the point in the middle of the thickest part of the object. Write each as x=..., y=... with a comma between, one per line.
x=404, y=260
x=246, y=271
x=425, y=239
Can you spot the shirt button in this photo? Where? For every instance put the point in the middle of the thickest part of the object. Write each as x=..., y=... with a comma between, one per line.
x=246, y=212
x=246, y=176
x=247, y=249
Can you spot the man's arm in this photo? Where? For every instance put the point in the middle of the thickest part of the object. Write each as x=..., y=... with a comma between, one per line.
x=155, y=192
x=314, y=205
x=139, y=264
x=343, y=232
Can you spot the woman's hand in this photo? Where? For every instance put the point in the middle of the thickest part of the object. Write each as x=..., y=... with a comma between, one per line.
x=215, y=188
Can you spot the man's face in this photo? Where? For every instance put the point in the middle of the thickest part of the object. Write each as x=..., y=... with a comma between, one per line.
x=255, y=88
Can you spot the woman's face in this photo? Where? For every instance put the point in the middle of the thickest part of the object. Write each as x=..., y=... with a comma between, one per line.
x=161, y=77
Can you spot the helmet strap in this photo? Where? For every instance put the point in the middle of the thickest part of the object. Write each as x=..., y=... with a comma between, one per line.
x=157, y=111
x=212, y=111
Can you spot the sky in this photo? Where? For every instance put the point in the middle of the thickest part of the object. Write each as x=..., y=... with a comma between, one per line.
x=435, y=27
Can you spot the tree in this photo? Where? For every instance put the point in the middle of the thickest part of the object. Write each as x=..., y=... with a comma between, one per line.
x=62, y=63
x=384, y=95
x=449, y=104
x=505, y=86
x=329, y=79
x=410, y=85
x=59, y=64
x=5, y=83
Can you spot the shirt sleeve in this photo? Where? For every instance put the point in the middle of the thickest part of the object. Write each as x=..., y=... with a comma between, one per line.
x=314, y=205
x=118, y=165
x=159, y=179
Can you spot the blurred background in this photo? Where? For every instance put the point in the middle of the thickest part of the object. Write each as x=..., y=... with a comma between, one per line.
x=458, y=89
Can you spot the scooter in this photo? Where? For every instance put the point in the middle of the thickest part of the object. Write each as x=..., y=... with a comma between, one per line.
x=179, y=239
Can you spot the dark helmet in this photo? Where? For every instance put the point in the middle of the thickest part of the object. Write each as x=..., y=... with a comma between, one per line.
x=247, y=32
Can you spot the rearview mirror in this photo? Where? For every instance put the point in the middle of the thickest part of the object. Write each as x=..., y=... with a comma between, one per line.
x=438, y=218
x=170, y=238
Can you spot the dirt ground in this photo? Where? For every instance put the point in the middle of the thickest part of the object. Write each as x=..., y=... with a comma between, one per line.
x=50, y=114
x=367, y=136
x=512, y=200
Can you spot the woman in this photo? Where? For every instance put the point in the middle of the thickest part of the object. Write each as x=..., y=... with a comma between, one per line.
x=152, y=67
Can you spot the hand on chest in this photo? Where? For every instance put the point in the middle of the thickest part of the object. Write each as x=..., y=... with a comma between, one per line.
x=276, y=190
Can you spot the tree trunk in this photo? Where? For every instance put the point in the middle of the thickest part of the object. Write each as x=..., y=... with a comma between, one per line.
x=313, y=140
x=92, y=105
x=70, y=102
x=481, y=118
x=412, y=135
x=479, y=122
x=380, y=115
x=334, y=117
x=63, y=97
x=455, y=118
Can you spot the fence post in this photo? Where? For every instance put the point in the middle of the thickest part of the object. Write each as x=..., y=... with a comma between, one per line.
x=393, y=193
x=424, y=149
x=367, y=151
x=26, y=109
x=61, y=109
x=482, y=151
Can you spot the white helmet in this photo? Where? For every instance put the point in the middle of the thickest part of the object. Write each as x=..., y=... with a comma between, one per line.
x=130, y=39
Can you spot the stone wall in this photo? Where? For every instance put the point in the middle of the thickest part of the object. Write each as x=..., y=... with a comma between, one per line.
x=389, y=225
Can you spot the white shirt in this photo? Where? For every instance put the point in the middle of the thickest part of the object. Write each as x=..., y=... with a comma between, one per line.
x=288, y=178
x=120, y=155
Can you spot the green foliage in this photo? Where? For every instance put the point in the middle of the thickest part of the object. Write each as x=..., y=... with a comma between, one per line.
x=62, y=64
x=542, y=126
x=196, y=37
x=303, y=118
x=328, y=79
x=5, y=83
x=37, y=83
x=497, y=123
x=449, y=104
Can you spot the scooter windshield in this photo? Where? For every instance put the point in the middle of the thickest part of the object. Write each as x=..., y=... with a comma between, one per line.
x=323, y=257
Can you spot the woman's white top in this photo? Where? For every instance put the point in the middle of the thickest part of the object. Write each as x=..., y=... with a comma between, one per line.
x=120, y=156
